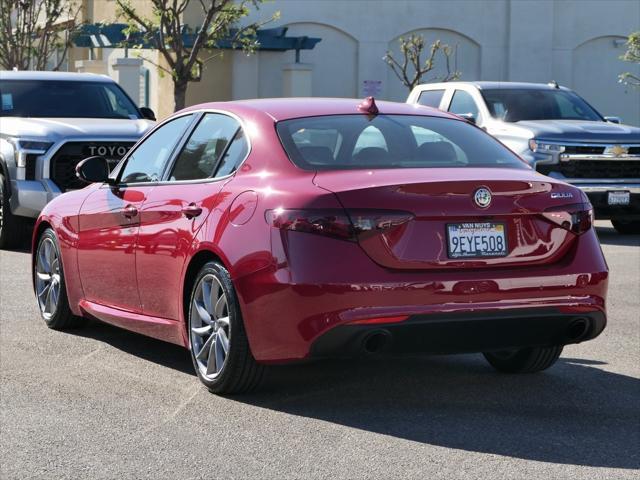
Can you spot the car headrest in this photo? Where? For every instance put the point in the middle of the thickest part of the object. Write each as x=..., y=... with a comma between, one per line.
x=436, y=152
x=317, y=155
x=371, y=155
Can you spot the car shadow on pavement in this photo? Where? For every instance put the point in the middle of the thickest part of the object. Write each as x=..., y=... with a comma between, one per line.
x=609, y=236
x=141, y=346
x=575, y=413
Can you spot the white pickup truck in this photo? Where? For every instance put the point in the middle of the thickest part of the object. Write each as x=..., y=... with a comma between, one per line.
x=559, y=134
x=49, y=121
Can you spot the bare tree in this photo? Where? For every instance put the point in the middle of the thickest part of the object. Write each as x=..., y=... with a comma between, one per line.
x=410, y=69
x=632, y=55
x=165, y=31
x=31, y=31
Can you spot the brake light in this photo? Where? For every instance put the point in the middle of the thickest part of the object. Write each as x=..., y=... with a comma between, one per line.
x=577, y=218
x=336, y=223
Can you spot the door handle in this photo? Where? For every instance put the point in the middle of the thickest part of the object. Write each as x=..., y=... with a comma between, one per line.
x=130, y=211
x=191, y=210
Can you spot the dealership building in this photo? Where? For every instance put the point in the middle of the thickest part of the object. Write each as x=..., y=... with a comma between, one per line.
x=576, y=43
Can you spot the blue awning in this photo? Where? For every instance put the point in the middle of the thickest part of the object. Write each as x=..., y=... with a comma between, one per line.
x=99, y=35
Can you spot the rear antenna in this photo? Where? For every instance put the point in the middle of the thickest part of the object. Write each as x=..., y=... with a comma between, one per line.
x=369, y=107
x=553, y=84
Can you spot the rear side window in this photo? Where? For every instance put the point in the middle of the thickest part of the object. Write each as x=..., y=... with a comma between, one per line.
x=210, y=146
x=394, y=141
x=431, y=98
x=463, y=103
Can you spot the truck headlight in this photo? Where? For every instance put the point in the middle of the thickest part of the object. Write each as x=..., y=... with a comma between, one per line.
x=540, y=147
x=23, y=147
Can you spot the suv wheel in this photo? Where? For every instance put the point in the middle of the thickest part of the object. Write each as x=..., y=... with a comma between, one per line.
x=12, y=228
x=219, y=347
x=626, y=227
x=524, y=360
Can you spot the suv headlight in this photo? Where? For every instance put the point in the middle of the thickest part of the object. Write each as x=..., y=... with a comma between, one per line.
x=23, y=147
x=540, y=147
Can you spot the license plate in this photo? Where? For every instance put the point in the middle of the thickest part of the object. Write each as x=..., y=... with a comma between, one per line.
x=475, y=240
x=618, y=198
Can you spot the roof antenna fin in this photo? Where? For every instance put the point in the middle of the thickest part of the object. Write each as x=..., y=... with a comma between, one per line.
x=369, y=106
x=553, y=84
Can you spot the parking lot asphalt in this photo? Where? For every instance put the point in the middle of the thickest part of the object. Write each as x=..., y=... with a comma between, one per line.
x=105, y=403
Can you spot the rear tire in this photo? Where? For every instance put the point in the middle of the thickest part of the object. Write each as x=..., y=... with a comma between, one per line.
x=524, y=360
x=13, y=230
x=51, y=292
x=218, y=342
x=626, y=227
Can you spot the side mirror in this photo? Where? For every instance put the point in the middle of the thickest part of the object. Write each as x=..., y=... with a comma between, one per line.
x=469, y=117
x=613, y=119
x=93, y=170
x=148, y=113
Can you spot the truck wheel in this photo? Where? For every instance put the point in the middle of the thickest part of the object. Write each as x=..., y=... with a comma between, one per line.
x=12, y=228
x=626, y=227
x=524, y=360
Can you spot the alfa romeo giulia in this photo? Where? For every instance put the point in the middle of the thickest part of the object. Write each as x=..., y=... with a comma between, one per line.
x=265, y=231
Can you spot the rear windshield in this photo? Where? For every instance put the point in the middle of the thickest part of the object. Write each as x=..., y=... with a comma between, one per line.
x=513, y=105
x=65, y=99
x=340, y=142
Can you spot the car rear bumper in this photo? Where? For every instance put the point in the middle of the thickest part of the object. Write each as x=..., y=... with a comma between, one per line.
x=464, y=332
x=291, y=310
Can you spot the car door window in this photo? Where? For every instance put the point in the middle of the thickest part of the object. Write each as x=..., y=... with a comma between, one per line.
x=217, y=143
x=463, y=103
x=431, y=98
x=148, y=161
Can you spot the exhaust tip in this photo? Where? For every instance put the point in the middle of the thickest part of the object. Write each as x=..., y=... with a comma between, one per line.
x=376, y=341
x=577, y=329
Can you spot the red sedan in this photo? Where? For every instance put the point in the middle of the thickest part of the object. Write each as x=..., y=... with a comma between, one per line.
x=267, y=231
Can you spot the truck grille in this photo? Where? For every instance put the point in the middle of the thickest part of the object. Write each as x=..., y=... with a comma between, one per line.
x=65, y=160
x=594, y=150
x=594, y=168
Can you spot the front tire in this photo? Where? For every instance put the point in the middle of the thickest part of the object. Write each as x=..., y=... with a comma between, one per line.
x=218, y=342
x=524, y=360
x=50, y=286
x=626, y=227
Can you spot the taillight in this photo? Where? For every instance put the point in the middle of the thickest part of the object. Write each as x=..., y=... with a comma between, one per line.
x=336, y=223
x=577, y=218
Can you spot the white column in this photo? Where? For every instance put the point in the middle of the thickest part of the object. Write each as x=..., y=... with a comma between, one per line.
x=244, y=75
x=127, y=74
x=297, y=79
x=91, y=66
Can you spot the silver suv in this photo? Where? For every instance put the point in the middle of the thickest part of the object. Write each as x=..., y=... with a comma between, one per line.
x=556, y=132
x=49, y=121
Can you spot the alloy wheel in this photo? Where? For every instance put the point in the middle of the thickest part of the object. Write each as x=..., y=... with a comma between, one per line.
x=48, y=278
x=209, y=326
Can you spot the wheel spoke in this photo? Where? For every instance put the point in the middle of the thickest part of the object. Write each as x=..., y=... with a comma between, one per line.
x=223, y=322
x=202, y=313
x=204, y=351
x=44, y=276
x=220, y=353
x=47, y=303
x=224, y=341
x=212, y=361
x=221, y=305
x=206, y=295
x=44, y=291
x=201, y=331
